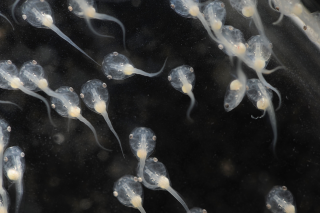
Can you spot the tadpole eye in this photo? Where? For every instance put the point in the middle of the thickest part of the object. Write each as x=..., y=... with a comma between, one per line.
x=226, y=106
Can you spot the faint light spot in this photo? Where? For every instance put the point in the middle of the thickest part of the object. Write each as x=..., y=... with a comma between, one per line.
x=85, y=204
x=54, y=181
x=103, y=155
x=58, y=138
x=136, y=3
x=227, y=168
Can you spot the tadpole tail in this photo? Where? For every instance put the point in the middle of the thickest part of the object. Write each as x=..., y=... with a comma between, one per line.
x=106, y=118
x=94, y=31
x=12, y=10
x=267, y=72
x=264, y=82
x=177, y=196
x=279, y=20
x=193, y=100
x=141, y=209
x=19, y=193
x=9, y=102
x=141, y=175
x=270, y=4
x=86, y=122
x=110, y=18
x=62, y=35
x=141, y=72
x=31, y=93
x=273, y=122
x=205, y=24
x=7, y=20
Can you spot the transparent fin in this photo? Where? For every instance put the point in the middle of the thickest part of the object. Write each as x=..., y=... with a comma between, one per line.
x=141, y=209
x=193, y=100
x=94, y=31
x=19, y=193
x=140, y=72
x=273, y=122
x=106, y=118
x=206, y=26
x=7, y=20
x=175, y=194
x=9, y=102
x=62, y=35
x=273, y=70
x=12, y=10
x=25, y=90
x=279, y=20
x=86, y=122
x=110, y=18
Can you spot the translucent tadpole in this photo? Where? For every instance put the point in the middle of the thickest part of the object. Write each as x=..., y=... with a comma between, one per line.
x=5, y=130
x=261, y=98
x=236, y=90
x=157, y=177
x=215, y=15
x=257, y=57
x=87, y=9
x=183, y=79
x=96, y=97
x=9, y=80
x=280, y=200
x=142, y=142
x=191, y=9
x=14, y=166
x=69, y=107
x=233, y=42
x=39, y=14
x=129, y=192
x=118, y=67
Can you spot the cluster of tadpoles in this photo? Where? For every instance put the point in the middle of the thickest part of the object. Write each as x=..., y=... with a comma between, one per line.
x=13, y=163
x=255, y=53
x=150, y=172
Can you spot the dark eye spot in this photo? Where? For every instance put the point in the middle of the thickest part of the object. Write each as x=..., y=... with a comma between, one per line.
x=226, y=106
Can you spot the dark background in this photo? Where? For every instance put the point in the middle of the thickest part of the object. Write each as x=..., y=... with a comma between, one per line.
x=222, y=162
